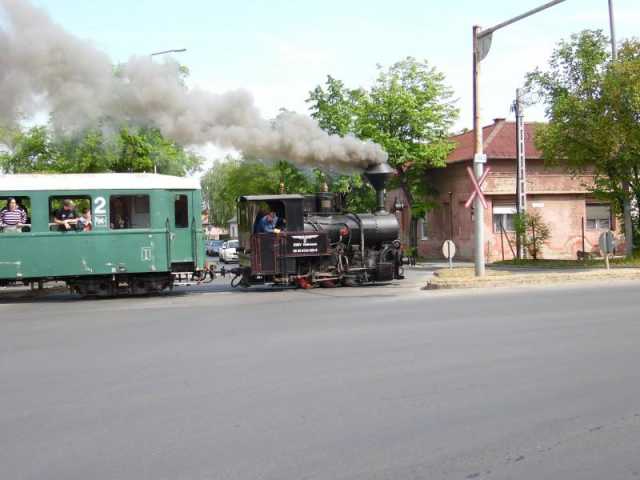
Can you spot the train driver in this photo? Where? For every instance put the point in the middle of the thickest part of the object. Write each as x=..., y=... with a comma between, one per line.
x=66, y=217
x=267, y=224
x=12, y=217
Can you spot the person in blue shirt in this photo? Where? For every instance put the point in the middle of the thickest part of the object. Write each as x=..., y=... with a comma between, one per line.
x=267, y=224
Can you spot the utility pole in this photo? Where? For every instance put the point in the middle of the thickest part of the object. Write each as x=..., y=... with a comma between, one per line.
x=626, y=202
x=521, y=169
x=481, y=46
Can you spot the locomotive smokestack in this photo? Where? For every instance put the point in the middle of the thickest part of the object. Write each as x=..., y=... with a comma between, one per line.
x=378, y=176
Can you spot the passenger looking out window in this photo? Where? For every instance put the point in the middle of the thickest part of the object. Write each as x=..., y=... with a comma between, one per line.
x=12, y=218
x=84, y=222
x=119, y=217
x=66, y=217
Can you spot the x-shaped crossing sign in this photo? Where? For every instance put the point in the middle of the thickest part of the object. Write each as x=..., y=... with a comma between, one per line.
x=477, y=187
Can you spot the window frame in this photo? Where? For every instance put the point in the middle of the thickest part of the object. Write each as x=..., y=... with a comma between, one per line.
x=504, y=210
x=422, y=225
x=53, y=227
x=181, y=226
x=134, y=196
x=19, y=199
x=597, y=219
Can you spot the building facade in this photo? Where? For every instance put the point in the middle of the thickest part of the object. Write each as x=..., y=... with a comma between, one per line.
x=575, y=218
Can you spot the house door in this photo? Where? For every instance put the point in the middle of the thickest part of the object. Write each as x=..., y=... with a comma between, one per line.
x=181, y=232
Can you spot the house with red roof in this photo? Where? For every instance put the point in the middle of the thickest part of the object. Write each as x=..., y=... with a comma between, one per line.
x=564, y=201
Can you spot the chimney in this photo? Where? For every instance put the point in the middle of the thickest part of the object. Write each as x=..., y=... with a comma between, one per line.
x=378, y=176
x=499, y=120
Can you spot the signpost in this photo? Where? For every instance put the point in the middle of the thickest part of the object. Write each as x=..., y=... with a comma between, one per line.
x=449, y=251
x=607, y=244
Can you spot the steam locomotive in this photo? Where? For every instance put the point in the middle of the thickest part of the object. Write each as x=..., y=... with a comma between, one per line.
x=321, y=245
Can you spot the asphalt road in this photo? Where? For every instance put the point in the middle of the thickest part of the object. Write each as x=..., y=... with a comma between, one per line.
x=367, y=383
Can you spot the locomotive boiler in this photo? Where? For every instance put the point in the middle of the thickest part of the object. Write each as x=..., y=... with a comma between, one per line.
x=319, y=243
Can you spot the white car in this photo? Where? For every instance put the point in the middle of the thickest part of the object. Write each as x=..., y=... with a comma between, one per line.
x=229, y=252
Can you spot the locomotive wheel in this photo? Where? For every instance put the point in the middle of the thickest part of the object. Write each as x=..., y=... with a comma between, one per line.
x=304, y=283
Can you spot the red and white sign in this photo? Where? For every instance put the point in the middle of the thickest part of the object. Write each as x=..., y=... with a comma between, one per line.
x=477, y=187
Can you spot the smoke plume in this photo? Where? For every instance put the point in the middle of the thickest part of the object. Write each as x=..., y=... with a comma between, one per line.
x=44, y=68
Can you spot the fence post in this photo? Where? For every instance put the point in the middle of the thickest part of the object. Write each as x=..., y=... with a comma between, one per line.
x=584, y=252
x=533, y=239
x=502, y=238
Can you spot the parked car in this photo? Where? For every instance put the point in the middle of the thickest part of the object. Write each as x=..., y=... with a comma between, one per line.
x=213, y=247
x=228, y=251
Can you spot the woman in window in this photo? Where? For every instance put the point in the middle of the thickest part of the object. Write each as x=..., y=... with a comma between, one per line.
x=11, y=217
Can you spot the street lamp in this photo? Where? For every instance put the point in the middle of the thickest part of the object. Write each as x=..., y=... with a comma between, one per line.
x=175, y=50
x=163, y=52
x=481, y=46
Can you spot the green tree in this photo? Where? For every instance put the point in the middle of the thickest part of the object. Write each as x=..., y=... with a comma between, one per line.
x=533, y=231
x=230, y=178
x=91, y=151
x=593, y=108
x=409, y=111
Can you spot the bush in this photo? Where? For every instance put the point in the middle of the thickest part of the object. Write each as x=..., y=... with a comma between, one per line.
x=533, y=232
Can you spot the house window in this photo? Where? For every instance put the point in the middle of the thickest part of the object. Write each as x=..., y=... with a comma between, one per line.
x=129, y=211
x=503, y=217
x=598, y=217
x=423, y=230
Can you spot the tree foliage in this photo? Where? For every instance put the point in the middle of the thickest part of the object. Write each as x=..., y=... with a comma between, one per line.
x=593, y=107
x=230, y=178
x=408, y=110
x=533, y=231
x=93, y=151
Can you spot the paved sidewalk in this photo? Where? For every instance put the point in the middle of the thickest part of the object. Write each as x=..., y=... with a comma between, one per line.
x=507, y=277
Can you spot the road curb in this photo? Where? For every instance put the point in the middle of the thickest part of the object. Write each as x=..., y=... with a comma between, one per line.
x=530, y=279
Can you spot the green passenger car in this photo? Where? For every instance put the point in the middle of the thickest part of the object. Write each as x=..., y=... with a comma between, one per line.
x=144, y=228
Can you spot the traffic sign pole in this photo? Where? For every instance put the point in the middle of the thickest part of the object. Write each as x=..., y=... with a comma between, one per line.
x=478, y=166
x=449, y=251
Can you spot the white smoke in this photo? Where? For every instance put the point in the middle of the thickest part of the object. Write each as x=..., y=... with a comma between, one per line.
x=44, y=68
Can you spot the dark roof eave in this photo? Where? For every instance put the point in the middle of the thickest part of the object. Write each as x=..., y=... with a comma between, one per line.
x=462, y=160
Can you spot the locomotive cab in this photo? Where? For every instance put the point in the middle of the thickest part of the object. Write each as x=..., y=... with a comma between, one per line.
x=271, y=257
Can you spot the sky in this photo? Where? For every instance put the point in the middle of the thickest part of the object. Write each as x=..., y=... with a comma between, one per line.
x=279, y=50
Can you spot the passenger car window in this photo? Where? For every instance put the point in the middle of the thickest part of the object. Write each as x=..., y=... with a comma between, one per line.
x=129, y=211
x=182, y=211
x=15, y=214
x=69, y=209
